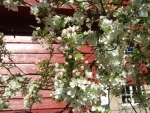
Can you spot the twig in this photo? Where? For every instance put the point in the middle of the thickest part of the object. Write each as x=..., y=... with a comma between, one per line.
x=119, y=4
x=31, y=108
x=15, y=64
x=110, y=14
x=37, y=1
x=27, y=3
x=131, y=105
x=66, y=107
x=102, y=5
x=109, y=97
x=139, y=89
x=92, y=64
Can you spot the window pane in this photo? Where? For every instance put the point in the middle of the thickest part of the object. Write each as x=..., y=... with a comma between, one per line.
x=127, y=90
x=126, y=99
x=123, y=91
x=134, y=89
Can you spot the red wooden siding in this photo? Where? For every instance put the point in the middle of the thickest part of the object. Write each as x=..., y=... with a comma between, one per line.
x=34, y=1
x=24, y=55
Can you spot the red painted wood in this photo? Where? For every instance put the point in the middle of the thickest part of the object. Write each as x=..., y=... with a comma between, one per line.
x=32, y=58
x=45, y=93
x=25, y=68
x=50, y=110
x=130, y=81
x=31, y=1
x=17, y=104
x=125, y=2
x=29, y=48
x=37, y=48
x=18, y=39
x=53, y=111
x=24, y=44
x=86, y=49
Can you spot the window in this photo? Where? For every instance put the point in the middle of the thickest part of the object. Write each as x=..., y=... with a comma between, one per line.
x=104, y=99
x=127, y=95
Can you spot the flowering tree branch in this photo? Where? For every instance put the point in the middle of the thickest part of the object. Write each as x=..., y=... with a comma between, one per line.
x=117, y=36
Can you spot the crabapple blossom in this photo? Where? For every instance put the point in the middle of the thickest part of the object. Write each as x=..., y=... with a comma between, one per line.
x=118, y=37
x=88, y=74
x=71, y=92
x=11, y=4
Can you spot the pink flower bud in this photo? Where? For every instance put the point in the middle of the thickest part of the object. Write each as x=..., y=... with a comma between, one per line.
x=59, y=38
x=61, y=48
x=70, y=30
x=66, y=48
x=86, y=62
x=70, y=56
x=82, y=67
x=66, y=63
x=57, y=70
x=73, y=71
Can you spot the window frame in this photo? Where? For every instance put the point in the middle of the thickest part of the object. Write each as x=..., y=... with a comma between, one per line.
x=129, y=91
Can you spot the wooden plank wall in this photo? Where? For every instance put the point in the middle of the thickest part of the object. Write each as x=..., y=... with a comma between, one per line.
x=24, y=55
x=34, y=1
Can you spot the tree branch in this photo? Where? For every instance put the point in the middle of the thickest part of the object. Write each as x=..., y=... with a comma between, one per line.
x=66, y=107
x=102, y=5
x=131, y=105
x=120, y=4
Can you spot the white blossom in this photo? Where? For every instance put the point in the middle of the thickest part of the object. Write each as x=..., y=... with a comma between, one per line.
x=71, y=92
x=88, y=74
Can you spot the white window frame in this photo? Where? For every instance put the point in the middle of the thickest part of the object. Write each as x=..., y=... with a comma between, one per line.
x=104, y=99
x=128, y=92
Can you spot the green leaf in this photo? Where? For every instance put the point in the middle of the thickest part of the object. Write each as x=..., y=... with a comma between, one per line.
x=78, y=56
x=148, y=47
x=106, y=29
x=79, y=36
x=123, y=18
x=93, y=90
x=78, y=47
x=61, y=23
x=113, y=76
x=115, y=1
x=32, y=26
x=106, y=111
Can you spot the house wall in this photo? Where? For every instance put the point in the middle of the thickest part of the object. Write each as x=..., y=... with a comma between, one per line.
x=116, y=105
x=25, y=54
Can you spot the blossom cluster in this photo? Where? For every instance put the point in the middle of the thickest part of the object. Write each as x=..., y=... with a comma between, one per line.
x=11, y=85
x=32, y=95
x=9, y=88
x=80, y=91
x=118, y=37
x=12, y=4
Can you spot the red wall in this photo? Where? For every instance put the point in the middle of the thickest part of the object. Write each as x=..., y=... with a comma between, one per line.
x=26, y=53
